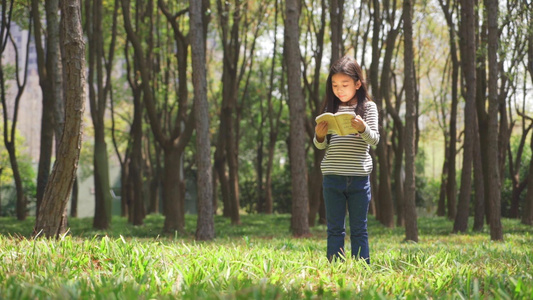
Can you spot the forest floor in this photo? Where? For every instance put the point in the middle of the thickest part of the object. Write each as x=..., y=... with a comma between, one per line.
x=260, y=260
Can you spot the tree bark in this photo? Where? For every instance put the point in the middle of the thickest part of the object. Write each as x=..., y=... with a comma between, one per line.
x=527, y=215
x=313, y=87
x=514, y=170
x=468, y=50
x=336, y=13
x=441, y=206
x=74, y=199
x=205, y=229
x=273, y=121
x=451, y=188
x=228, y=154
x=481, y=104
x=384, y=207
x=411, y=226
x=51, y=219
x=385, y=91
x=300, y=198
x=54, y=67
x=479, y=185
x=494, y=188
x=46, y=81
x=98, y=92
x=137, y=210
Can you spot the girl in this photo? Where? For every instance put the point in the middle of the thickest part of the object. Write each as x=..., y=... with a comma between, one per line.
x=347, y=163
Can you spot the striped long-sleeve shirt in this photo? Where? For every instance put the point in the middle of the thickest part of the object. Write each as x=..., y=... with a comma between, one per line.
x=349, y=155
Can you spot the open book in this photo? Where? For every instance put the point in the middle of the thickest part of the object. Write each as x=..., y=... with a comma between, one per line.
x=338, y=123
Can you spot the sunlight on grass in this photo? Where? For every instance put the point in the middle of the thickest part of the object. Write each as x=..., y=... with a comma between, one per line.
x=260, y=260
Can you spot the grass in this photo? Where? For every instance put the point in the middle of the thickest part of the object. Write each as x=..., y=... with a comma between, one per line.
x=260, y=260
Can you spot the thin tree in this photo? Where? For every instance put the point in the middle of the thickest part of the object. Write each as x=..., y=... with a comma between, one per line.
x=47, y=62
x=205, y=229
x=449, y=8
x=312, y=72
x=226, y=151
x=468, y=51
x=273, y=116
x=9, y=136
x=300, y=198
x=494, y=188
x=98, y=94
x=50, y=221
x=481, y=206
x=411, y=226
x=527, y=215
x=131, y=173
x=385, y=208
x=336, y=14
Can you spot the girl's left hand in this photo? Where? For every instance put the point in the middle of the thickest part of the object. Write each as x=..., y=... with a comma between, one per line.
x=359, y=124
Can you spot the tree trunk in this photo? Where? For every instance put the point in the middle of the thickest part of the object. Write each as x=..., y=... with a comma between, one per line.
x=102, y=212
x=54, y=67
x=315, y=187
x=273, y=121
x=385, y=92
x=48, y=99
x=479, y=185
x=527, y=214
x=21, y=202
x=514, y=170
x=155, y=179
x=313, y=87
x=98, y=105
x=220, y=168
x=441, y=206
x=173, y=192
x=411, y=226
x=468, y=51
x=137, y=210
x=384, y=204
x=494, y=189
x=481, y=104
x=51, y=219
x=231, y=42
x=451, y=187
x=205, y=228
x=336, y=13
x=74, y=199
x=300, y=198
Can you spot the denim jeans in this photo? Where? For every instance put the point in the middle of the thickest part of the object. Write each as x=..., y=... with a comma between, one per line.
x=352, y=192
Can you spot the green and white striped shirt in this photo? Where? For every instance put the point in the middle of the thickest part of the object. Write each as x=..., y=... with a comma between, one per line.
x=349, y=155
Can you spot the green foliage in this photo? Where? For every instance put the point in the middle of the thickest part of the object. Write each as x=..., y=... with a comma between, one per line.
x=260, y=260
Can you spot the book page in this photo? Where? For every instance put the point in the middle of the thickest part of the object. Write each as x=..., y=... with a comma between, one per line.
x=332, y=124
x=344, y=122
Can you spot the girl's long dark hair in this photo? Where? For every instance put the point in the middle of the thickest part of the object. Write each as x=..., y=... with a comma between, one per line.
x=348, y=66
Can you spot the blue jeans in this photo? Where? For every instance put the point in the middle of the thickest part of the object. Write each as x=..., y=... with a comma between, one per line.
x=352, y=192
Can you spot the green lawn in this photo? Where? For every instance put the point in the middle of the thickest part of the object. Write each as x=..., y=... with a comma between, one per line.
x=260, y=260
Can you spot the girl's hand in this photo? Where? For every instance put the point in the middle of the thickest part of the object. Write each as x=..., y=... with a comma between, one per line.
x=359, y=124
x=321, y=130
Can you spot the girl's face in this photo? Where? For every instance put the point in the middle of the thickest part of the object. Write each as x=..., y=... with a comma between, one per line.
x=344, y=87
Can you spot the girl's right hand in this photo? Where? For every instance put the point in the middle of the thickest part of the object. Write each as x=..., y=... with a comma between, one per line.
x=321, y=130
